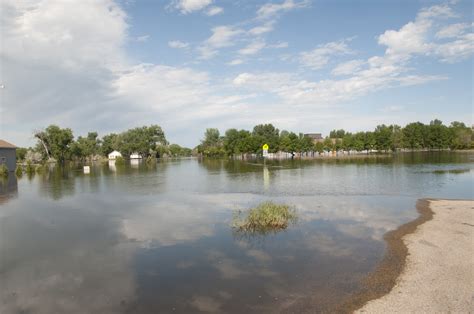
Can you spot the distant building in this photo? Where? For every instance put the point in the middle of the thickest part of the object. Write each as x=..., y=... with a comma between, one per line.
x=8, y=155
x=135, y=156
x=113, y=155
x=316, y=137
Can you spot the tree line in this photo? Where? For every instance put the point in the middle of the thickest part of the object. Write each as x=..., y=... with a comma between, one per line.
x=385, y=138
x=59, y=144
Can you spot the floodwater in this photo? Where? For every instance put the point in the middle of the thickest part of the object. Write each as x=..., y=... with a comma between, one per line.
x=158, y=239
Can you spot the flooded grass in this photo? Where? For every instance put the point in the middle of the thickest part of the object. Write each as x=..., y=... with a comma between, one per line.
x=265, y=218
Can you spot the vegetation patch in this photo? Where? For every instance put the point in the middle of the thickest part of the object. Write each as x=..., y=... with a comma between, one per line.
x=119, y=161
x=3, y=171
x=19, y=171
x=265, y=218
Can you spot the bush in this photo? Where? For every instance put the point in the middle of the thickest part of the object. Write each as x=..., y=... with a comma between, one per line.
x=119, y=161
x=264, y=218
x=30, y=169
x=3, y=171
x=19, y=171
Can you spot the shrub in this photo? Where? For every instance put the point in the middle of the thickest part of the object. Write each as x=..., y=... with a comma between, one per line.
x=3, y=171
x=30, y=169
x=264, y=218
x=119, y=161
x=19, y=171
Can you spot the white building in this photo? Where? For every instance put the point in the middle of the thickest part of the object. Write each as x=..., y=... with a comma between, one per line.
x=135, y=156
x=113, y=155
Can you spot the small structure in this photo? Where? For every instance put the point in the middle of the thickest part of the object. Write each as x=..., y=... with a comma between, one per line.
x=315, y=137
x=8, y=155
x=113, y=155
x=135, y=156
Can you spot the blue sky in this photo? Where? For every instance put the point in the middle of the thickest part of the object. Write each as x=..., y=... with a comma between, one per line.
x=305, y=66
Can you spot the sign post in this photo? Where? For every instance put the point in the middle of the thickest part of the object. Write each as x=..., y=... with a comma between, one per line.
x=265, y=150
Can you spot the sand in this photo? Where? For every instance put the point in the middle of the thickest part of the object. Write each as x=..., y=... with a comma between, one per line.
x=438, y=274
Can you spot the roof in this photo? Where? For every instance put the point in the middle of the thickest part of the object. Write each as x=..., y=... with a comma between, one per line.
x=5, y=144
x=314, y=136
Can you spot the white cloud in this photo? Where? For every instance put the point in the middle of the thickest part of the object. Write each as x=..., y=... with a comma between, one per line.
x=189, y=6
x=143, y=38
x=262, y=29
x=214, y=11
x=319, y=57
x=460, y=49
x=453, y=30
x=270, y=10
x=178, y=44
x=348, y=68
x=252, y=48
x=236, y=62
x=222, y=36
x=414, y=38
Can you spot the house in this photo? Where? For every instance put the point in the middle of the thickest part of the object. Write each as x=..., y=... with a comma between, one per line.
x=113, y=155
x=135, y=156
x=315, y=137
x=8, y=155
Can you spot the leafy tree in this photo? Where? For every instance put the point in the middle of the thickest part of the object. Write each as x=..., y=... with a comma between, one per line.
x=21, y=153
x=55, y=142
x=267, y=134
x=337, y=133
x=413, y=134
x=383, y=137
x=460, y=136
x=109, y=143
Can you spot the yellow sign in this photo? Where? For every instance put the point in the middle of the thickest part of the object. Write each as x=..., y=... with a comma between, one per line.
x=265, y=147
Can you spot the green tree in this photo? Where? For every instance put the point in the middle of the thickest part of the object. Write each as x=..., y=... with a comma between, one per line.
x=460, y=136
x=413, y=135
x=55, y=142
x=267, y=134
x=383, y=137
x=438, y=135
x=21, y=153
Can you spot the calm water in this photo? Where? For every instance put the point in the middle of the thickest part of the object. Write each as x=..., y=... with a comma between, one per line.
x=140, y=239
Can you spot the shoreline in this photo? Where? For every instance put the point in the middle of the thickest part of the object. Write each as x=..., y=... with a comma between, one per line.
x=393, y=278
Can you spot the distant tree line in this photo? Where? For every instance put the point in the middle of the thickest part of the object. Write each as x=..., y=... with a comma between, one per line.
x=59, y=143
x=385, y=138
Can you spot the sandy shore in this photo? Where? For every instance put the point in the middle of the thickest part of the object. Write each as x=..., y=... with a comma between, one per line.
x=438, y=275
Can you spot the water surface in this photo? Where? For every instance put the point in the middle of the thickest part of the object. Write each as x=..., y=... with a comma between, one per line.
x=157, y=239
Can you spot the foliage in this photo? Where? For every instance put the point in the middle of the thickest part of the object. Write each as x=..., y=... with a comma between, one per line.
x=384, y=138
x=19, y=171
x=55, y=142
x=119, y=161
x=3, y=171
x=30, y=169
x=21, y=153
x=264, y=218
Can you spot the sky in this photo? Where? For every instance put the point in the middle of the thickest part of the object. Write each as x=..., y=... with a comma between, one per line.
x=187, y=65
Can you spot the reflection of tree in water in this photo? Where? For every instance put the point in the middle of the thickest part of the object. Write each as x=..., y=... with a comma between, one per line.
x=8, y=188
x=57, y=181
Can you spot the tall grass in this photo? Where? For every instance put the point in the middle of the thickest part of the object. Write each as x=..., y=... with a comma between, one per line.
x=266, y=217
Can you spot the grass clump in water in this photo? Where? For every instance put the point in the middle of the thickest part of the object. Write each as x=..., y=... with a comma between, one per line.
x=3, y=171
x=119, y=161
x=266, y=217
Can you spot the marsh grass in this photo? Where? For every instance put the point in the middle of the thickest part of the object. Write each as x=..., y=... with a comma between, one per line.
x=265, y=218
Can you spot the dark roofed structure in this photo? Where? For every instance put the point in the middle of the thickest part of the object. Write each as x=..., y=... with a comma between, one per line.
x=314, y=136
x=8, y=155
